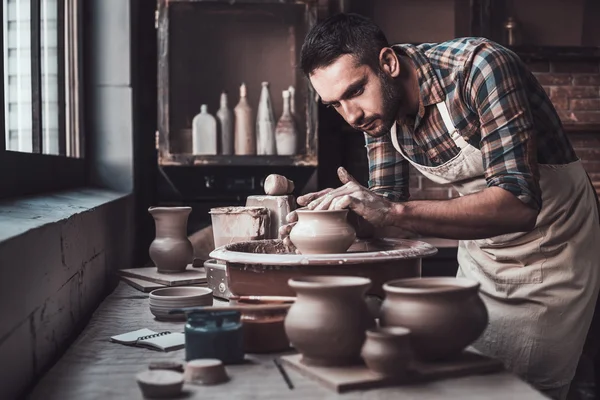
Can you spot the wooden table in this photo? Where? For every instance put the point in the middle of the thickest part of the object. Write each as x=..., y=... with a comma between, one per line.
x=95, y=368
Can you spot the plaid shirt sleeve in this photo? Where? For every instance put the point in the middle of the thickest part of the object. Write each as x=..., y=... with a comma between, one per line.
x=388, y=170
x=495, y=90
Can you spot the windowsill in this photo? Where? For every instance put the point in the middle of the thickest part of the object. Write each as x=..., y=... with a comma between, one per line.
x=17, y=216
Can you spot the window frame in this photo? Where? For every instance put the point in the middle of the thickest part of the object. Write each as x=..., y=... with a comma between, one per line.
x=23, y=173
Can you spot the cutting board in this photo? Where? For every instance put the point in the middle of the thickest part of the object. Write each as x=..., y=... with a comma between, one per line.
x=190, y=276
x=141, y=284
x=343, y=379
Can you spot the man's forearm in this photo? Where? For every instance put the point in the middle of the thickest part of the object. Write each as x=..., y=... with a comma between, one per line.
x=488, y=213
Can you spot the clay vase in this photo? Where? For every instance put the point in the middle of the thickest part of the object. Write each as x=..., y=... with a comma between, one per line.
x=387, y=351
x=322, y=232
x=171, y=250
x=444, y=314
x=286, y=133
x=225, y=116
x=244, y=136
x=204, y=133
x=265, y=123
x=328, y=320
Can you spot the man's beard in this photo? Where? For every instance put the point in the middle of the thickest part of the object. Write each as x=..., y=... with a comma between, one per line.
x=391, y=102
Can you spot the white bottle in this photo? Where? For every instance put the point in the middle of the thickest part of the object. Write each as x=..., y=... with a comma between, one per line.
x=225, y=116
x=245, y=138
x=286, y=134
x=265, y=123
x=204, y=133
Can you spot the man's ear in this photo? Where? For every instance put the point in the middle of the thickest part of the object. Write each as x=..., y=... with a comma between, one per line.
x=389, y=63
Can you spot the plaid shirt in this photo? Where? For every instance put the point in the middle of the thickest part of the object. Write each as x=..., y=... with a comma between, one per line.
x=496, y=104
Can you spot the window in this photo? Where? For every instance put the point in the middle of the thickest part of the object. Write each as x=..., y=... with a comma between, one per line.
x=42, y=145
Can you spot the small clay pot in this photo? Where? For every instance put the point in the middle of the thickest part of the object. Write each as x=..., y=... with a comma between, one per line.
x=328, y=320
x=264, y=331
x=171, y=250
x=387, y=351
x=444, y=314
x=322, y=232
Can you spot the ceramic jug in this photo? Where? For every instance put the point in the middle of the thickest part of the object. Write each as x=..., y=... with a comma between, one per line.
x=328, y=320
x=225, y=116
x=444, y=314
x=286, y=135
x=265, y=123
x=171, y=250
x=322, y=232
x=244, y=136
x=204, y=133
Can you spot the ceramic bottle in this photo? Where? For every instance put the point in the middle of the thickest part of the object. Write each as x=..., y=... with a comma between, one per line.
x=204, y=133
x=244, y=136
x=322, y=232
x=328, y=320
x=286, y=135
x=171, y=250
x=225, y=116
x=265, y=123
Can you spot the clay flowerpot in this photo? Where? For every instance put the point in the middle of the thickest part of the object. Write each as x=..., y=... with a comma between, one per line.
x=328, y=320
x=171, y=250
x=387, y=351
x=322, y=232
x=444, y=315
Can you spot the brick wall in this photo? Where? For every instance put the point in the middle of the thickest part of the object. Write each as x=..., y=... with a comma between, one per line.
x=574, y=88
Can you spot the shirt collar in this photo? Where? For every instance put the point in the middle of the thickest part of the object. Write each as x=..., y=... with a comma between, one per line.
x=430, y=88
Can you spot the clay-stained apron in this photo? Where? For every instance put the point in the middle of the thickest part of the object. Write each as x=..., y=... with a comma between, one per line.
x=540, y=287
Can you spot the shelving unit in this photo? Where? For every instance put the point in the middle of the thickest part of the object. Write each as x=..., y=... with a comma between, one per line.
x=234, y=42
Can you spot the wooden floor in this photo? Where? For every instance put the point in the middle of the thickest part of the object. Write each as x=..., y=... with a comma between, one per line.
x=95, y=368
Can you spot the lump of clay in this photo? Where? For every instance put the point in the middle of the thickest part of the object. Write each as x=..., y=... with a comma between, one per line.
x=276, y=185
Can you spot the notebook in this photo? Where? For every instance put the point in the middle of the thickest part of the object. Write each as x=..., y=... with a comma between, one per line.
x=164, y=341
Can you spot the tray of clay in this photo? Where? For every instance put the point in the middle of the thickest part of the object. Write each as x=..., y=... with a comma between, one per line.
x=263, y=267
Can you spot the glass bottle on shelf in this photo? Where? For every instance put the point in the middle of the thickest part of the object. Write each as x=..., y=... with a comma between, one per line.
x=244, y=136
x=286, y=134
x=204, y=133
x=225, y=116
x=512, y=34
x=265, y=123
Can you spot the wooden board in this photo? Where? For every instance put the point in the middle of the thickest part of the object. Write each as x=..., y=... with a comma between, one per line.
x=343, y=379
x=190, y=276
x=141, y=284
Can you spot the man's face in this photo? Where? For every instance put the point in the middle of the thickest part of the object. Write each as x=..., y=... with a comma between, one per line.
x=366, y=99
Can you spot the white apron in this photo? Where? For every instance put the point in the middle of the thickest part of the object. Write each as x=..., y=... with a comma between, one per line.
x=540, y=287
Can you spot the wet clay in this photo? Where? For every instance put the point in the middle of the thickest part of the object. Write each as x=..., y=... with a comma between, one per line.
x=322, y=232
x=328, y=320
x=237, y=224
x=444, y=314
x=277, y=185
x=279, y=207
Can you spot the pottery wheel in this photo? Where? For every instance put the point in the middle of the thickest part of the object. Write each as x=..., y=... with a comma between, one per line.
x=275, y=252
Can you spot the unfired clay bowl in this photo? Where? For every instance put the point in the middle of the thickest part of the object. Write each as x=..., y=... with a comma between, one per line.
x=444, y=314
x=387, y=351
x=322, y=232
x=164, y=300
x=264, y=267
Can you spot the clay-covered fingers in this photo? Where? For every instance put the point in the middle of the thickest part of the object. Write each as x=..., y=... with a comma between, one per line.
x=325, y=202
x=344, y=201
x=284, y=230
x=345, y=176
x=307, y=198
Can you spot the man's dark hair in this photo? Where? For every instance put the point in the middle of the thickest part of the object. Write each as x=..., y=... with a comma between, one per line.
x=342, y=34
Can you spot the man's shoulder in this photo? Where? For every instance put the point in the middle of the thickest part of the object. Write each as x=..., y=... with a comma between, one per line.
x=460, y=48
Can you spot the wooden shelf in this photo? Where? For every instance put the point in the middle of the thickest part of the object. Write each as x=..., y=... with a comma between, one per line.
x=301, y=160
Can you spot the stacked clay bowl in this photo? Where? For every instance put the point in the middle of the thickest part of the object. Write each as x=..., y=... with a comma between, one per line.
x=166, y=299
x=444, y=314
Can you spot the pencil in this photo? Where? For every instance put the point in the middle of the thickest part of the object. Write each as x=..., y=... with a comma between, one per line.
x=286, y=378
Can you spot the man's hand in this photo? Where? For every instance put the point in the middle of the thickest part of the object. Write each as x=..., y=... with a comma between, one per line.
x=371, y=209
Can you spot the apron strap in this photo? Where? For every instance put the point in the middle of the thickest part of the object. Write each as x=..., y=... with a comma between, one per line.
x=458, y=140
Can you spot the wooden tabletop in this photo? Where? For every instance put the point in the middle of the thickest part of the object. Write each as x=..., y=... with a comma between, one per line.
x=95, y=368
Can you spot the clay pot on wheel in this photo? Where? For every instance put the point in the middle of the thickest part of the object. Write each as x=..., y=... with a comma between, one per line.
x=328, y=320
x=322, y=232
x=171, y=250
x=387, y=351
x=444, y=314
